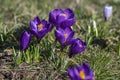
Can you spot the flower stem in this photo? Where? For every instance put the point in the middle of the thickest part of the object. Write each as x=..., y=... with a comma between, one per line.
x=62, y=47
x=54, y=45
x=38, y=41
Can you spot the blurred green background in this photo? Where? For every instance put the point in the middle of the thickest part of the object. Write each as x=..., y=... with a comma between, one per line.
x=103, y=52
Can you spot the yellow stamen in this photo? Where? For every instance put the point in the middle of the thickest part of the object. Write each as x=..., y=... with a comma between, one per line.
x=82, y=75
x=64, y=14
x=65, y=36
x=40, y=26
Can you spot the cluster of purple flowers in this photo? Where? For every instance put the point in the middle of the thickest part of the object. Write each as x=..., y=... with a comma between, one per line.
x=63, y=20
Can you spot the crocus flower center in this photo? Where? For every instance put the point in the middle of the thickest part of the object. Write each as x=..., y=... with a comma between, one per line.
x=82, y=75
x=80, y=45
x=63, y=14
x=54, y=15
x=65, y=36
x=40, y=26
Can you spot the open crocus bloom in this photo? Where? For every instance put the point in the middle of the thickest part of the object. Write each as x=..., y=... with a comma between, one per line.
x=24, y=40
x=64, y=36
x=39, y=28
x=107, y=11
x=76, y=47
x=62, y=18
x=82, y=72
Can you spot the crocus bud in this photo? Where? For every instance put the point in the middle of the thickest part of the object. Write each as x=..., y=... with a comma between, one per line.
x=76, y=47
x=24, y=40
x=107, y=11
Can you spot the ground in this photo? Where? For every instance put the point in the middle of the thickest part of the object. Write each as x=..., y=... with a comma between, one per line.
x=103, y=40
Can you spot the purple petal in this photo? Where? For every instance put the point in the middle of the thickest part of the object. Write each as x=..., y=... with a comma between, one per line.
x=74, y=73
x=42, y=33
x=68, y=30
x=56, y=12
x=64, y=40
x=77, y=47
x=33, y=25
x=71, y=73
x=44, y=22
x=44, y=29
x=50, y=27
x=107, y=11
x=87, y=70
x=68, y=23
x=44, y=25
x=53, y=14
x=24, y=40
x=59, y=36
x=33, y=28
x=69, y=13
x=60, y=19
x=37, y=20
x=69, y=39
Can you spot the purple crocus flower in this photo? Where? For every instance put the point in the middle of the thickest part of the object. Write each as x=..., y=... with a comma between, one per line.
x=62, y=18
x=24, y=40
x=107, y=11
x=82, y=72
x=76, y=47
x=40, y=28
x=64, y=36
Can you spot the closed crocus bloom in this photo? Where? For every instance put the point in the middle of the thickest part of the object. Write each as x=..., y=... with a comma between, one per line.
x=62, y=18
x=39, y=28
x=53, y=14
x=107, y=11
x=24, y=40
x=76, y=47
x=82, y=72
x=64, y=36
